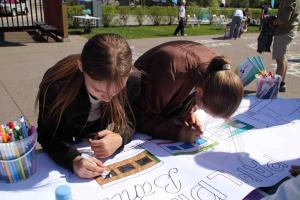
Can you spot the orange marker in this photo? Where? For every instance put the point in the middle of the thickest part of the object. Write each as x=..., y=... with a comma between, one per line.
x=2, y=131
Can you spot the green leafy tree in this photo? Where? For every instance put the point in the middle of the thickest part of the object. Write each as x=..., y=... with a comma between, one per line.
x=214, y=3
x=243, y=3
x=140, y=13
x=123, y=14
x=108, y=12
x=172, y=13
x=204, y=3
x=157, y=14
x=73, y=10
x=254, y=3
x=71, y=2
x=233, y=3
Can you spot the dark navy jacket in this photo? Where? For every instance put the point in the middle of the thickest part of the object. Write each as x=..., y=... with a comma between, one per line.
x=265, y=37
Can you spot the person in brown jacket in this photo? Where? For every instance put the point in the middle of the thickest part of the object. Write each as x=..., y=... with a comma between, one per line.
x=178, y=78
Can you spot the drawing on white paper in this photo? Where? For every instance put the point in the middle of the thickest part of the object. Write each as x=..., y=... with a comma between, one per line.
x=267, y=113
x=162, y=181
x=181, y=197
x=180, y=148
x=221, y=175
x=167, y=182
x=213, y=134
x=274, y=164
x=133, y=165
x=253, y=171
x=204, y=191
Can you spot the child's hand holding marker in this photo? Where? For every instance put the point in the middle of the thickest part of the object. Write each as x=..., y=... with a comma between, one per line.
x=193, y=122
x=192, y=130
x=86, y=166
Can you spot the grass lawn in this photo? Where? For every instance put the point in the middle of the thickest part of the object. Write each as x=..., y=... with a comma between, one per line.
x=134, y=32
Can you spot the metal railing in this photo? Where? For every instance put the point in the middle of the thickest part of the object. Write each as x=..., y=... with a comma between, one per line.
x=19, y=15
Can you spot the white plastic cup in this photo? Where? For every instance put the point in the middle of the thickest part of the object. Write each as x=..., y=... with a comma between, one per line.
x=267, y=87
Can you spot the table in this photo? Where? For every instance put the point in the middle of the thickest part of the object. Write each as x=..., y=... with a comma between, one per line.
x=86, y=20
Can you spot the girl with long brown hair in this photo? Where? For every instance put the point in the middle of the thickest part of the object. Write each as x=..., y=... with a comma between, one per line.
x=83, y=96
x=179, y=77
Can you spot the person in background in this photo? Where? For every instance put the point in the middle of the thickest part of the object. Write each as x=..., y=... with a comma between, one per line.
x=286, y=26
x=264, y=13
x=236, y=24
x=245, y=22
x=178, y=78
x=181, y=19
x=83, y=96
x=289, y=189
x=265, y=10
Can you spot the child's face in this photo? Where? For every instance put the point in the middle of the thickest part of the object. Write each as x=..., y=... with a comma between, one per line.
x=100, y=89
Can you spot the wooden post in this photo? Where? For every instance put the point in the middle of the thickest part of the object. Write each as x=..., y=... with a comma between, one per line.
x=55, y=13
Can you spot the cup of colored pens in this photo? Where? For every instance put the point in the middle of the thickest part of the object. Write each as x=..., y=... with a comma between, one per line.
x=17, y=151
x=267, y=85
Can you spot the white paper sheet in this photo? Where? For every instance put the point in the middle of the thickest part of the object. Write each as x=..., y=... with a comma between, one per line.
x=249, y=152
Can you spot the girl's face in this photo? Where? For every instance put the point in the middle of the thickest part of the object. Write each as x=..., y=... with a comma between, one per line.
x=102, y=90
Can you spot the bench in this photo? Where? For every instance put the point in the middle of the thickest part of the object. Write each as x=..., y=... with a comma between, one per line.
x=47, y=30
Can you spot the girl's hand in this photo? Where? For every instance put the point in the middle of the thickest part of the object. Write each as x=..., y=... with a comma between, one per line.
x=87, y=169
x=189, y=134
x=295, y=170
x=193, y=122
x=107, y=143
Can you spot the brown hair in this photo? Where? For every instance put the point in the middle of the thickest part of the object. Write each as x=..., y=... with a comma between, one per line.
x=105, y=57
x=223, y=89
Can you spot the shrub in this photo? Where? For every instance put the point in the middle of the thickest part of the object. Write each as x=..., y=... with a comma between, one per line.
x=73, y=10
x=108, y=12
x=171, y=13
x=156, y=14
x=123, y=15
x=140, y=13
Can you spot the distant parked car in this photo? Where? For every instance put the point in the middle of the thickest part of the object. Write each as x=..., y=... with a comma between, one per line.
x=13, y=7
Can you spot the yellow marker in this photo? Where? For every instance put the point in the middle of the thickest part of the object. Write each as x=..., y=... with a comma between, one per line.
x=2, y=131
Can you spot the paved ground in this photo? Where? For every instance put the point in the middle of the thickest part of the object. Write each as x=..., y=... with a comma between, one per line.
x=23, y=63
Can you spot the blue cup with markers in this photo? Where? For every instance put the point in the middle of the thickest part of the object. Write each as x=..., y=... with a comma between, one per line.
x=17, y=152
x=20, y=168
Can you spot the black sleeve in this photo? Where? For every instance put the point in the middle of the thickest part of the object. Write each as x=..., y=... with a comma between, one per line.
x=52, y=136
x=133, y=94
x=127, y=136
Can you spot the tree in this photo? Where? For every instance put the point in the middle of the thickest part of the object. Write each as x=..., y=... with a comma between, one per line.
x=243, y=3
x=233, y=3
x=254, y=3
x=214, y=3
x=203, y=3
